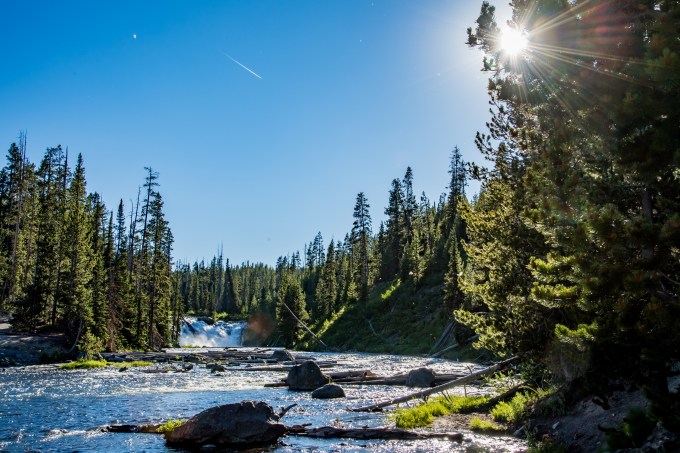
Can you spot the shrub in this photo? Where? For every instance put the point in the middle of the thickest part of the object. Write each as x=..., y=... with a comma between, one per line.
x=89, y=345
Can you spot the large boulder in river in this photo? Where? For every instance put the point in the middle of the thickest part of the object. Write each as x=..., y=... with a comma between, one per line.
x=329, y=391
x=421, y=377
x=283, y=355
x=306, y=376
x=238, y=425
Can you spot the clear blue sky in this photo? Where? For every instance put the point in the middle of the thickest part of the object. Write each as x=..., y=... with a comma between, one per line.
x=349, y=94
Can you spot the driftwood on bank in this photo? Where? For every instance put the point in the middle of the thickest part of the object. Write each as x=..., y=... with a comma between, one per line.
x=444, y=337
x=327, y=432
x=438, y=389
x=367, y=377
x=305, y=326
x=227, y=357
x=323, y=432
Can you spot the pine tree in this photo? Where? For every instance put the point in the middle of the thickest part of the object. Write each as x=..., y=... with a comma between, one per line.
x=159, y=284
x=588, y=143
x=100, y=313
x=410, y=208
x=361, y=236
x=229, y=303
x=290, y=299
x=75, y=292
x=327, y=289
x=394, y=233
x=34, y=310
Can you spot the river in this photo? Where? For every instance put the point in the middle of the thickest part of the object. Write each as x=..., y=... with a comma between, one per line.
x=43, y=408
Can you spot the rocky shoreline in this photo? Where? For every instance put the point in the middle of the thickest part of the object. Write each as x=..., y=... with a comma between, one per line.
x=20, y=349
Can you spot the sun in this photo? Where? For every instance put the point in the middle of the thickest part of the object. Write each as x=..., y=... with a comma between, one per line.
x=513, y=41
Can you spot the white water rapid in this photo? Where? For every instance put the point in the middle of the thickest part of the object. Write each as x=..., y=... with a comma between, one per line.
x=196, y=332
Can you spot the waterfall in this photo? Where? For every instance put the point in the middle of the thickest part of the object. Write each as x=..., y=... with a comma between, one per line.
x=196, y=332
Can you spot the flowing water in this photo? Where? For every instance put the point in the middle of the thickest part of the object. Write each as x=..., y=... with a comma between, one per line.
x=196, y=332
x=43, y=408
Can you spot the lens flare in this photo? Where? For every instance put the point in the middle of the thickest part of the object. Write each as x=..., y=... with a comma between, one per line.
x=513, y=41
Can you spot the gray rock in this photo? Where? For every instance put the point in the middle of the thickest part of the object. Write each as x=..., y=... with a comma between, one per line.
x=215, y=367
x=660, y=441
x=194, y=358
x=329, y=391
x=421, y=377
x=306, y=376
x=239, y=425
x=283, y=355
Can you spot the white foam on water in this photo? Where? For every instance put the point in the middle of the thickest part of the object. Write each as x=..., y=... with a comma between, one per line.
x=222, y=334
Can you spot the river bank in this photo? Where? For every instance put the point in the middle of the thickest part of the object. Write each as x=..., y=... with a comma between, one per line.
x=21, y=349
x=48, y=409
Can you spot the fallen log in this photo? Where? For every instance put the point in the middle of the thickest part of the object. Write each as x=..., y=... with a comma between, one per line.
x=305, y=326
x=394, y=380
x=444, y=351
x=324, y=432
x=144, y=429
x=351, y=374
x=444, y=337
x=327, y=432
x=505, y=395
x=438, y=389
x=362, y=377
x=278, y=368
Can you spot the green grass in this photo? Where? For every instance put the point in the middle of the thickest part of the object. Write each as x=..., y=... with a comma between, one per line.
x=403, y=320
x=484, y=426
x=170, y=426
x=87, y=364
x=136, y=363
x=83, y=364
x=519, y=406
x=510, y=411
x=425, y=413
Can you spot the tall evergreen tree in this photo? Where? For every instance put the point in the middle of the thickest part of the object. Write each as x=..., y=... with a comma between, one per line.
x=361, y=237
x=75, y=292
x=290, y=305
x=327, y=289
x=595, y=168
x=394, y=233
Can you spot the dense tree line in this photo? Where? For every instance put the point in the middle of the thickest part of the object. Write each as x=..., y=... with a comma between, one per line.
x=66, y=265
x=569, y=255
x=573, y=249
x=417, y=240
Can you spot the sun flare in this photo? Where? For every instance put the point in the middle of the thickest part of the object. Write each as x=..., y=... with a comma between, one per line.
x=513, y=41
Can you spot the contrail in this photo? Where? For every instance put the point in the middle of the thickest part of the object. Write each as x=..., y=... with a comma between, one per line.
x=242, y=65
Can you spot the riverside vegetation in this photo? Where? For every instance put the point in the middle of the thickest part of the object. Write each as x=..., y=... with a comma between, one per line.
x=568, y=257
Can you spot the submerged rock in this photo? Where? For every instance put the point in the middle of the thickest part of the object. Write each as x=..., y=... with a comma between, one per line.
x=421, y=377
x=238, y=425
x=216, y=367
x=306, y=376
x=329, y=391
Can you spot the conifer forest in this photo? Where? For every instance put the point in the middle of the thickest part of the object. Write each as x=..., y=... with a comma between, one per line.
x=568, y=255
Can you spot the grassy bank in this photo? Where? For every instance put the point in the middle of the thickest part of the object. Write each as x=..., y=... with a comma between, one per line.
x=88, y=364
x=397, y=318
